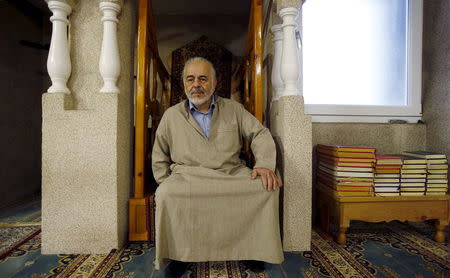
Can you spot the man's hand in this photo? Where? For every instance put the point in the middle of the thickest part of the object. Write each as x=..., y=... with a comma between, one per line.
x=269, y=180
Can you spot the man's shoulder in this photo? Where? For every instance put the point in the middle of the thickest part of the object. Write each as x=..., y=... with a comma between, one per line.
x=176, y=109
x=229, y=103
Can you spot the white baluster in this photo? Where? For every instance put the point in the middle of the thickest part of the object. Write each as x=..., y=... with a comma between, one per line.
x=109, y=57
x=290, y=67
x=58, y=61
x=277, y=82
x=300, y=53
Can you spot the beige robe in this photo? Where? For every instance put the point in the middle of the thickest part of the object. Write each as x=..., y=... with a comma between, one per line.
x=207, y=206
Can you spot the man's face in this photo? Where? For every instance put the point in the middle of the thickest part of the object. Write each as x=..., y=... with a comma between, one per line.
x=199, y=82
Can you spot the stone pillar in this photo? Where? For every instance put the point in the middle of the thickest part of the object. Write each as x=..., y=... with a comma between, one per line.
x=292, y=130
x=109, y=56
x=87, y=147
x=58, y=62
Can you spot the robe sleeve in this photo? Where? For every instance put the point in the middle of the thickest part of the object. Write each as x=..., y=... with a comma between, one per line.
x=262, y=144
x=161, y=153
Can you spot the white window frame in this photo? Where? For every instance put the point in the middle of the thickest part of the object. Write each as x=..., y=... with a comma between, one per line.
x=411, y=112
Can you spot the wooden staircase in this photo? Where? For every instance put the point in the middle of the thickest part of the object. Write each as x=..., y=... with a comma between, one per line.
x=149, y=69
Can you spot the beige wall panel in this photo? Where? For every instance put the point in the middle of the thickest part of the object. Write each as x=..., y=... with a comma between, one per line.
x=387, y=138
x=436, y=75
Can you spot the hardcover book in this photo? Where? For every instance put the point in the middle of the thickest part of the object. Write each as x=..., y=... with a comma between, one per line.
x=413, y=176
x=413, y=160
x=406, y=184
x=387, y=171
x=412, y=189
x=387, y=184
x=437, y=176
x=347, y=193
x=345, y=159
x=346, y=173
x=345, y=164
x=435, y=193
x=334, y=183
x=437, y=161
x=412, y=193
x=321, y=173
x=378, y=180
x=414, y=166
x=437, y=181
x=413, y=171
x=402, y=180
x=434, y=189
x=388, y=166
x=426, y=154
x=387, y=175
x=431, y=185
x=347, y=148
x=386, y=189
x=385, y=159
x=345, y=168
x=437, y=171
x=437, y=166
x=406, y=159
x=346, y=154
x=387, y=194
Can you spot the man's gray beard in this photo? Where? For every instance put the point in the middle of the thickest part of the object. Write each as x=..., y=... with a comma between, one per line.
x=198, y=101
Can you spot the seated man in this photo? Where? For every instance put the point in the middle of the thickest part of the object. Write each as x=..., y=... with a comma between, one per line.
x=209, y=205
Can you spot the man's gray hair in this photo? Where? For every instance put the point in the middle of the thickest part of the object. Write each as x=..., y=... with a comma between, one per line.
x=199, y=59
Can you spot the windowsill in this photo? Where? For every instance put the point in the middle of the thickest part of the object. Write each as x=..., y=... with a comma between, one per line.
x=363, y=119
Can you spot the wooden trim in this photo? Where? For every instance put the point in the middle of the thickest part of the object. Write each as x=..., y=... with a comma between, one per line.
x=138, y=229
x=141, y=88
x=246, y=87
x=257, y=88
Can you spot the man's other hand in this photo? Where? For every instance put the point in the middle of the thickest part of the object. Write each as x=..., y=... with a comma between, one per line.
x=269, y=180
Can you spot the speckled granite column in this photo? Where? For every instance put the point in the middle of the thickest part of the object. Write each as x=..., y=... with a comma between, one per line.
x=292, y=131
x=86, y=143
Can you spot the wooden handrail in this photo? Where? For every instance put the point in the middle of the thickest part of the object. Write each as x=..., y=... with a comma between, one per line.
x=146, y=92
x=254, y=99
x=257, y=86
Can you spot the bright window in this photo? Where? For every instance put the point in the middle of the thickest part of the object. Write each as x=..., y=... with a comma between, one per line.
x=362, y=58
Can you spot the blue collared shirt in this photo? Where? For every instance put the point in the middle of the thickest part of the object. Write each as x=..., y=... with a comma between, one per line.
x=203, y=119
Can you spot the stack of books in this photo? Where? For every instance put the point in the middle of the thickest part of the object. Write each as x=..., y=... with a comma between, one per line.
x=413, y=176
x=347, y=170
x=437, y=171
x=387, y=175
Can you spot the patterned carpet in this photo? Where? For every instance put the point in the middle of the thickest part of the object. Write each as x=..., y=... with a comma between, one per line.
x=392, y=249
x=27, y=214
